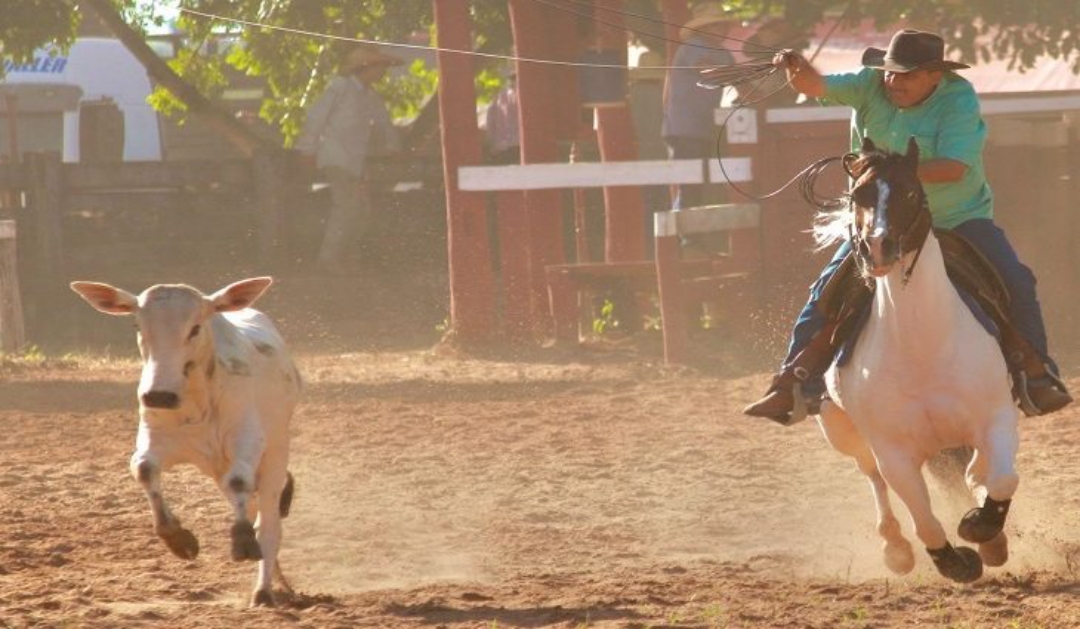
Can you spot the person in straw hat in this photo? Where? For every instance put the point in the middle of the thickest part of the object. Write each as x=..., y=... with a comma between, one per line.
x=347, y=124
x=688, y=127
x=910, y=90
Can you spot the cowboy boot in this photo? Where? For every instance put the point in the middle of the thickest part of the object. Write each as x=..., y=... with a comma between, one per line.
x=1037, y=389
x=784, y=402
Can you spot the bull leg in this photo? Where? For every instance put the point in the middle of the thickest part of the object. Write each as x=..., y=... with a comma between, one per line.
x=271, y=485
x=903, y=473
x=238, y=484
x=993, y=467
x=842, y=435
x=147, y=470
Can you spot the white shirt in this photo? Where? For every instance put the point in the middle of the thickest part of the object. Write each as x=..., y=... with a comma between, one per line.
x=346, y=124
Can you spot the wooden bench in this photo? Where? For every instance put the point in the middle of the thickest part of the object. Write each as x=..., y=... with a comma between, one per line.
x=679, y=282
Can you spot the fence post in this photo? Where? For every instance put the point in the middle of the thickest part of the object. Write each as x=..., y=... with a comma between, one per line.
x=669, y=286
x=46, y=288
x=12, y=330
x=47, y=201
x=270, y=181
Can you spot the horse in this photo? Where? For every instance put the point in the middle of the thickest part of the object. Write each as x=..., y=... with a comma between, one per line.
x=924, y=375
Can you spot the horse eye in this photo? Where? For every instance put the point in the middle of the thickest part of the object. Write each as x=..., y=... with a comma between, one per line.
x=194, y=332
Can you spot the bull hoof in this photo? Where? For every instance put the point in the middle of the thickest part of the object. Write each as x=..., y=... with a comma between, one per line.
x=262, y=598
x=899, y=557
x=995, y=552
x=962, y=565
x=181, y=542
x=982, y=524
x=244, y=545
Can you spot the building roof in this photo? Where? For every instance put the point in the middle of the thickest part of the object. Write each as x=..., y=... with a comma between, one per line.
x=844, y=47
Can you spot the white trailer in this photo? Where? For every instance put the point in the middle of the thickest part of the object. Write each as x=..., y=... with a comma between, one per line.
x=40, y=101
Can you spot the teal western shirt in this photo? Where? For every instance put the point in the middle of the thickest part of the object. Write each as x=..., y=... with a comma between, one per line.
x=946, y=125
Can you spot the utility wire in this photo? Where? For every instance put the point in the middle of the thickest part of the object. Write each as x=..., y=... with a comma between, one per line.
x=361, y=40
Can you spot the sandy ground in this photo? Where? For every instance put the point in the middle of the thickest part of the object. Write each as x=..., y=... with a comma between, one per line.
x=584, y=490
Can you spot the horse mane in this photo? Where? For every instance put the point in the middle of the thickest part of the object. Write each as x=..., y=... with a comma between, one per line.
x=833, y=226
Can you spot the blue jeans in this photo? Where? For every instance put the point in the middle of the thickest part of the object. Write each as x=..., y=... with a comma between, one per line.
x=1024, y=310
x=689, y=195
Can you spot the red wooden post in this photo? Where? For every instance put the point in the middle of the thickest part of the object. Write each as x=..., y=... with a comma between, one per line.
x=513, y=226
x=675, y=13
x=624, y=208
x=539, y=133
x=472, y=296
x=669, y=287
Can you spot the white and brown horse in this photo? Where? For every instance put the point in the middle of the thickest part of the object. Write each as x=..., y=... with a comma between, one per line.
x=924, y=376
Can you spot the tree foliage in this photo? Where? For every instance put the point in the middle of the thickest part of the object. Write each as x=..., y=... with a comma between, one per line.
x=295, y=66
x=29, y=24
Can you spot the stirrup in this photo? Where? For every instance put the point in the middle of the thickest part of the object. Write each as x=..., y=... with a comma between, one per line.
x=800, y=409
x=1023, y=398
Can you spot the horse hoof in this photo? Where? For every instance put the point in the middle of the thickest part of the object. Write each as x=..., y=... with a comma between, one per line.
x=982, y=524
x=962, y=565
x=244, y=544
x=899, y=557
x=262, y=598
x=995, y=552
x=976, y=528
x=182, y=543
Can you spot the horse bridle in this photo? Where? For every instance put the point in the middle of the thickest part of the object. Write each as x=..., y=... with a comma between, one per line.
x=916, y=231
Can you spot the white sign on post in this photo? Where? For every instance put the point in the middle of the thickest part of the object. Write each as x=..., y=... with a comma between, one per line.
x=740, y=124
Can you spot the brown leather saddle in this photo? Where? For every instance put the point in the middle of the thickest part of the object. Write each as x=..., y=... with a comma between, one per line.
x=847, y=294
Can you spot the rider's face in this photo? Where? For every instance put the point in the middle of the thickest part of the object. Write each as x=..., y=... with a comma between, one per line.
x=907, y=89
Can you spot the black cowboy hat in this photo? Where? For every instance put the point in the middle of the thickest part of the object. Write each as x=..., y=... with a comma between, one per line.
x=909, y=51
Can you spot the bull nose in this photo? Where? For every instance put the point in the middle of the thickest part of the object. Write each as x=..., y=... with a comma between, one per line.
x=160, y=399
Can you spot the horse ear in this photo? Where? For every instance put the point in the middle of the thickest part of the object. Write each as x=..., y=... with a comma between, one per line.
x=868, y=145
x=912, y=155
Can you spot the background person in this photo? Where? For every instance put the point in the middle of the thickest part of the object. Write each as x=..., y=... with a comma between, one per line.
x=347, y=124
x=501, y=128
x=689, y=125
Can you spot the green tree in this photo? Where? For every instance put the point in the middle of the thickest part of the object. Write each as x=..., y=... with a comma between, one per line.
x=296, y=66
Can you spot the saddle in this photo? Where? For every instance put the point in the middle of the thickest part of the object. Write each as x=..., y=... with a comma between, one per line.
x=847, y=295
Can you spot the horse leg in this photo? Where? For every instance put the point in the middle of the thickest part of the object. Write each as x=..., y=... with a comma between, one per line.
x=904, y=475
x=995, y=552
x=841, y=434
x=994, y=468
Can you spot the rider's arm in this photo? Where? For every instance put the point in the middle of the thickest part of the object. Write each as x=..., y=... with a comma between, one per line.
x=941, y=170
x=804, y=78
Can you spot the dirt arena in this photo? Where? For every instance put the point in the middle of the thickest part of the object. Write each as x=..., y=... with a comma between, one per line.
x=588, y=489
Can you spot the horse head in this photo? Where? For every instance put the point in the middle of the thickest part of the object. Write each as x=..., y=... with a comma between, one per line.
x=890, y=216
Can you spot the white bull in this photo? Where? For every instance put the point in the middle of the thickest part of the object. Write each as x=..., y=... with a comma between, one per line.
x=217, y=391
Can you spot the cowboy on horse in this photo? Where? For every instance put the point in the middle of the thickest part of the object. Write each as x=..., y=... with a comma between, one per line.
x=910, y=91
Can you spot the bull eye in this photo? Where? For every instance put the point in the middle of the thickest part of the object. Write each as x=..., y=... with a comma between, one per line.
x=194, y=332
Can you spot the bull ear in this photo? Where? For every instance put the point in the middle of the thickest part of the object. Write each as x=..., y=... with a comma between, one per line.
x=868, y=145
x=107, y=299
x=911, y=158
x=240, y=295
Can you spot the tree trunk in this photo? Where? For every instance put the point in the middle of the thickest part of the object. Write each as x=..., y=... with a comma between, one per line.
x=233, y=130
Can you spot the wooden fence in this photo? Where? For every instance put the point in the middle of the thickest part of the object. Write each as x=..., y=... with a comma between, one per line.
x=146, y=222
